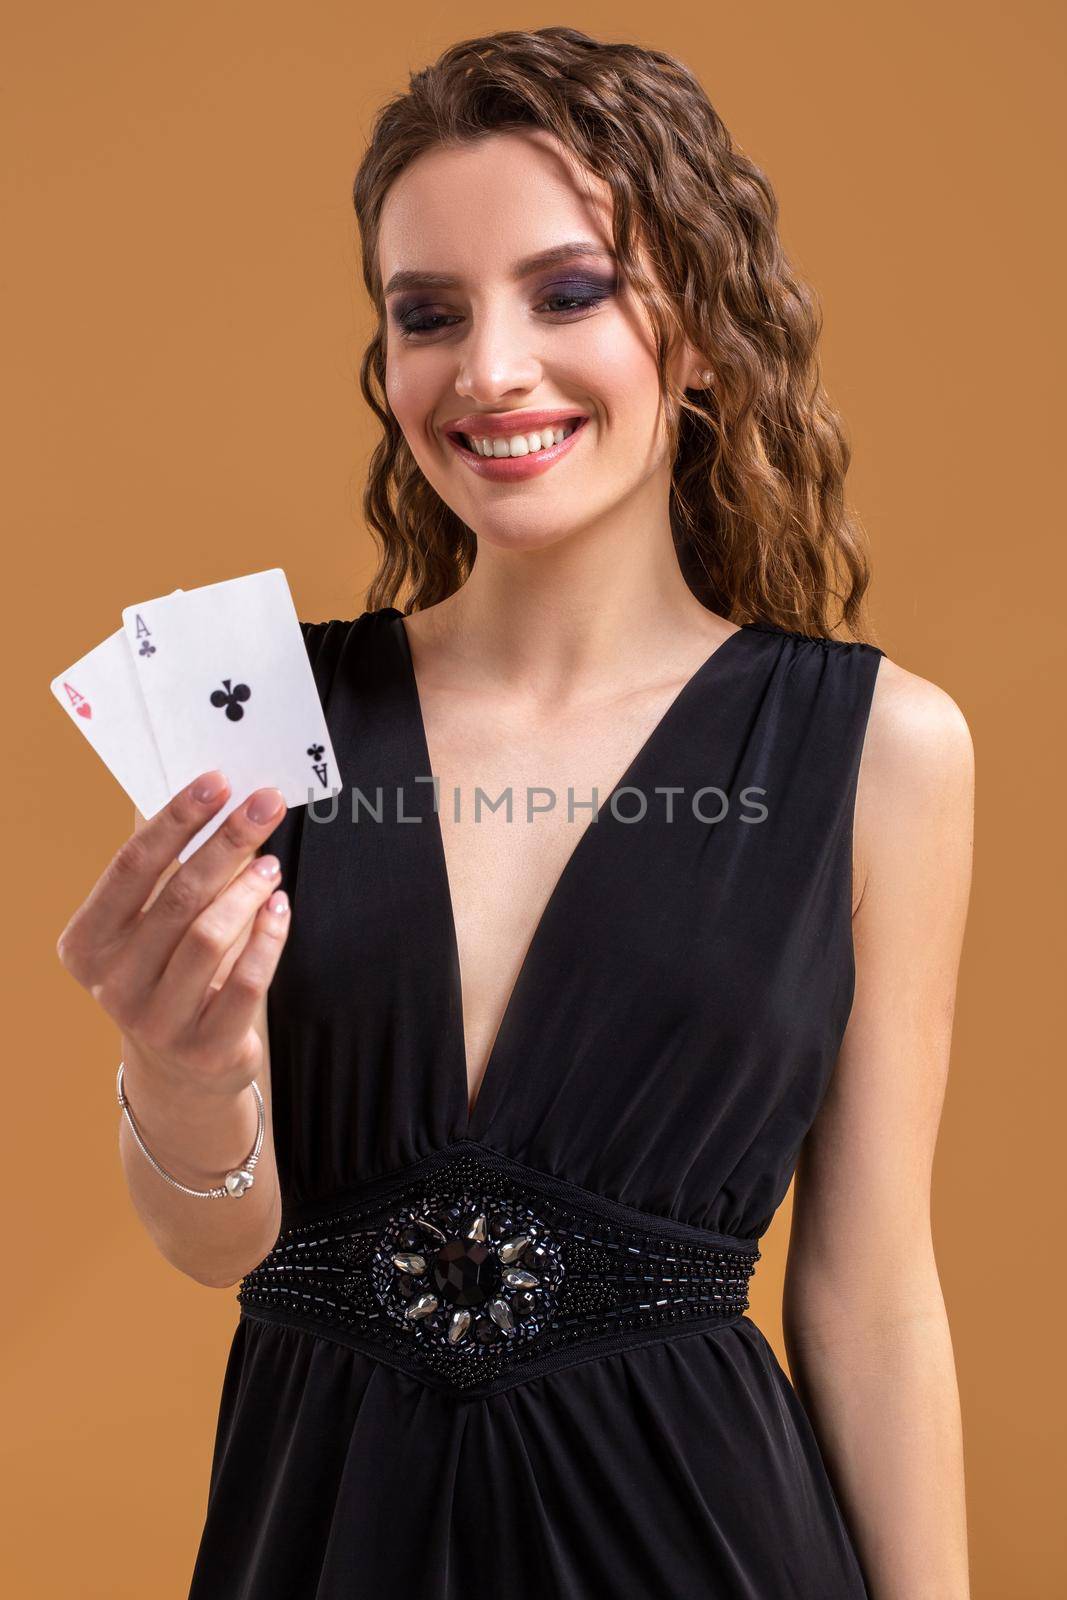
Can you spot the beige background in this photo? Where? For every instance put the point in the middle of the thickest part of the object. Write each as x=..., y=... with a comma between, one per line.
x=182, y=328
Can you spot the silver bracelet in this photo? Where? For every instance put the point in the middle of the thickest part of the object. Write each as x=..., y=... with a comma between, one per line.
x=234, y=1184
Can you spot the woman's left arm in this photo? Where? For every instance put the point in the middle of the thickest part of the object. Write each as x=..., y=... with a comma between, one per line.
x=865, y=1326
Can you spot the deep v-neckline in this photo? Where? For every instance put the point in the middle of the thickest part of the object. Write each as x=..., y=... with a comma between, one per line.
x=492, y=1069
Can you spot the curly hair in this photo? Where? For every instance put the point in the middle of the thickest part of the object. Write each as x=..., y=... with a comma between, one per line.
x=759, y=457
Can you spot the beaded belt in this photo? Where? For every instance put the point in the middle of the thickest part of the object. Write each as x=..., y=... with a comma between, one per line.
x=475, y=1273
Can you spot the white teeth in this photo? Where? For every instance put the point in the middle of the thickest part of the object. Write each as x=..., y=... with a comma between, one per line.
x=520, y=444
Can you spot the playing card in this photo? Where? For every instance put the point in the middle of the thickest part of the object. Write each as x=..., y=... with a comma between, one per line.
x=226, y=681
x=103, y=699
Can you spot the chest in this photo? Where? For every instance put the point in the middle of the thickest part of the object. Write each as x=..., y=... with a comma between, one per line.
x=517, y=788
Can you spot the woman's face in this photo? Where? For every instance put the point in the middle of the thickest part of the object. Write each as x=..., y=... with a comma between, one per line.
x=479, y=335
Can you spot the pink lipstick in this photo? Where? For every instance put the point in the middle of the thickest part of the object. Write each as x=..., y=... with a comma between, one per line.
x=508, y=469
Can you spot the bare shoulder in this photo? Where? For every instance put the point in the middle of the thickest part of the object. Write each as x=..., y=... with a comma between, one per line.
x=912, y=720
x=916, y=779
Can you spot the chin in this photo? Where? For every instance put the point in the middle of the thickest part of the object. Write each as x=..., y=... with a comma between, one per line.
x=526, y=532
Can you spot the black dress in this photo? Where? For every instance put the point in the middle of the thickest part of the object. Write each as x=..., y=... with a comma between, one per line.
x=621, y=1427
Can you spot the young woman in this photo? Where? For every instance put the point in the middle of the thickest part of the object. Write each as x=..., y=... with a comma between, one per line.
x=536, y=1077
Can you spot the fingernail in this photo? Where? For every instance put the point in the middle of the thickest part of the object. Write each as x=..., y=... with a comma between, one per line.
x=209, y=786
x=267, y=866
x=279, y=902
x=264, y=803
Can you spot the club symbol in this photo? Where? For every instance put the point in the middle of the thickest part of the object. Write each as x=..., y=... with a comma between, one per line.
x=147, y=648
x=231, y=698
x=316, y=751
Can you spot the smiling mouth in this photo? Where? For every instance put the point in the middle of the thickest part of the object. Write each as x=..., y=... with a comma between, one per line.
x=515, y=445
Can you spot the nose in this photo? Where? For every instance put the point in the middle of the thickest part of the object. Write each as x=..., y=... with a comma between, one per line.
x=497, y=359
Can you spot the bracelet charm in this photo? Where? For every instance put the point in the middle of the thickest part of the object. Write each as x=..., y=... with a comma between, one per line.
x=238, y=1181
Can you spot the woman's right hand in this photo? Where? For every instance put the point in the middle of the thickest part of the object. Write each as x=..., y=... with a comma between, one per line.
x=152, y=963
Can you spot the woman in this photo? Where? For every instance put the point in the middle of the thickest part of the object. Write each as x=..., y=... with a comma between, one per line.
x=541, y=1079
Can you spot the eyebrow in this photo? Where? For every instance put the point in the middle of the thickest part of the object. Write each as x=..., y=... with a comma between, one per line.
x=413, y=279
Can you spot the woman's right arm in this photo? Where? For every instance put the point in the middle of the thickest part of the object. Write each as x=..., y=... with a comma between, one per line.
x=181, y=957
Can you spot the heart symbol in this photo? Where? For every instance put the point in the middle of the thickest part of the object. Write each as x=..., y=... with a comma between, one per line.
x=85, y=709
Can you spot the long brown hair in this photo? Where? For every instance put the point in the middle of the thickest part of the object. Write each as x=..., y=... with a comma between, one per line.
x=759, y=458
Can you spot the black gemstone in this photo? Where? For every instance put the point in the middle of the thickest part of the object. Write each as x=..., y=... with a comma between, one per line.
x=411, y=1238
x=522, y=1303
x=466, y=1272
x=499, y=1224
x=486, y=1332
x=406, y=1285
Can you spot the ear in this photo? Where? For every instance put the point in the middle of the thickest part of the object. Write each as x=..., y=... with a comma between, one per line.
x=695, y=369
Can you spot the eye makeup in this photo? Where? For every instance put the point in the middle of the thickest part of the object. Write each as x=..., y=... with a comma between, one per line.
x=572, y=297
